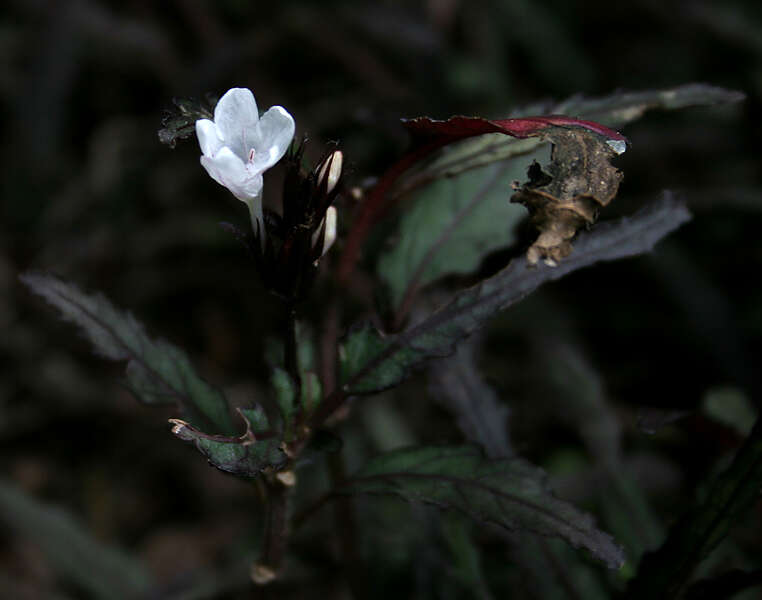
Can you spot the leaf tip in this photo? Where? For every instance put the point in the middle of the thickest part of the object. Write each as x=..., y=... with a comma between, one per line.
x=180, y=429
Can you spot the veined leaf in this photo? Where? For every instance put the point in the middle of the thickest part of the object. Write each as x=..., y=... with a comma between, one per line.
x=614, y=110
x=457, y=212
x=157, y=372
x=104, y=572
x=449, y=226
x=418, y=167
x=371, y=361
x=510, y=493
x=623, y=107
x=454, y=222
x=256, y=450
x=460, y=127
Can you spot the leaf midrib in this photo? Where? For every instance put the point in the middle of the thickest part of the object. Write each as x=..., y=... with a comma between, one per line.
x=458, y=481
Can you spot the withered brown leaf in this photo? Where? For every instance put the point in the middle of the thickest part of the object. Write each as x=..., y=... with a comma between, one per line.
x=579, y=181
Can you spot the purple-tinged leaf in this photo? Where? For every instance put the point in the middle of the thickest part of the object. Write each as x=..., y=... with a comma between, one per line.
x=372, y=361
x=510, y=493
x=460, y=127
x=157, y=372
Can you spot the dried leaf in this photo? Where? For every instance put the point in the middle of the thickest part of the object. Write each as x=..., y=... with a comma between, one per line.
x=580, y=180
x=430, y=135
x=613, y=110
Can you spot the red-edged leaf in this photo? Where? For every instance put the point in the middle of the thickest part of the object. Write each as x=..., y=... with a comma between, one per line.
x=430, y=135
x=460, y=127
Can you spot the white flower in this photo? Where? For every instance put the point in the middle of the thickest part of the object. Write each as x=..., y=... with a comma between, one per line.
x=238, y=146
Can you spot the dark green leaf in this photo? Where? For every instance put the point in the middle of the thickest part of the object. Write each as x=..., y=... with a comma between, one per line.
x=256, y=419
x=510, y=493
x=101, y=570
x=621, y=108
x=371, y=361
x=245, y=456
x=285, y=390
x=449, y=226
x=157, y=372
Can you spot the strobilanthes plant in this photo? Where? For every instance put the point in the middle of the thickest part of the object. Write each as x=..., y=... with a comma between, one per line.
x=459, y=193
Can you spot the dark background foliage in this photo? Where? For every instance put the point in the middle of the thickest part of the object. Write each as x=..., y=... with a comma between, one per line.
x=90, y=194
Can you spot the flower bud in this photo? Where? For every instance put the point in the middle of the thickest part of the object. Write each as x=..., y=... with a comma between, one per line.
x=328, y=230
x=330, y=226
x=332, y=168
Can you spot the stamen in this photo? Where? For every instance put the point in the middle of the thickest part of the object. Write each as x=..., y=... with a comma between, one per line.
x=252, y=152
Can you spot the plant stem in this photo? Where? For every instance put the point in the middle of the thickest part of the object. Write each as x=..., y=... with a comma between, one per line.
x=291, y=356
x=276, y=529
x=664, y=573
x=277, y=524
x=291, y=359
x=328, y=346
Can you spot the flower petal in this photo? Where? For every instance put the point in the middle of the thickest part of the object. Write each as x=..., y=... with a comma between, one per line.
x=236, y=118
x=276, y=130
x=208, y=137
x=229, y=170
